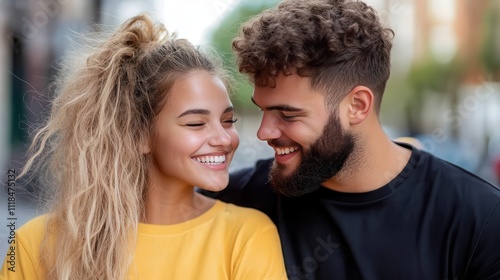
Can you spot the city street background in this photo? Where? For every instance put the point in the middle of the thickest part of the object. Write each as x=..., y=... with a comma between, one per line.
x=444, y=88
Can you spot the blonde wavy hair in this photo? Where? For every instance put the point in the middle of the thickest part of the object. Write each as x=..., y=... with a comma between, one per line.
x=103, y=109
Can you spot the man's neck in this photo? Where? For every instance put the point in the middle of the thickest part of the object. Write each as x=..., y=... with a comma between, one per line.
x=371, y=167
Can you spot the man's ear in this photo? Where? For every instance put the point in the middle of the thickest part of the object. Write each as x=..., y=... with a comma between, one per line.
x=360, y=104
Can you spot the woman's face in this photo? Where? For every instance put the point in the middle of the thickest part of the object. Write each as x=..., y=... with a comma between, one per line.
x=195, y=137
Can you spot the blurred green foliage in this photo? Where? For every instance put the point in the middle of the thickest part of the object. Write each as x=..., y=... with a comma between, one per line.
x=431, y=76
x=490, y=51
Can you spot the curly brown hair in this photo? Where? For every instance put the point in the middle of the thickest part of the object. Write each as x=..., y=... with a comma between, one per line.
x=338, y=43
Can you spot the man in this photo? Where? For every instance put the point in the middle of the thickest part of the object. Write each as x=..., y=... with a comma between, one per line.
x=348, y=202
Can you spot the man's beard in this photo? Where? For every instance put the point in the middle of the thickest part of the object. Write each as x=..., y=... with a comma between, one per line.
x=325, y=159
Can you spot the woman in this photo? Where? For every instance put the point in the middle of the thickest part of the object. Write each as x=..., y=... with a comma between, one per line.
x=131, y=132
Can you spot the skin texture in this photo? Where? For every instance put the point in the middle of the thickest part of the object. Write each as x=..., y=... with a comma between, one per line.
x=294, y=120
x=302, y=161
x=196, y=124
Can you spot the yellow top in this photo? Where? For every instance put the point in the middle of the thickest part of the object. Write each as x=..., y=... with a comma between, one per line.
x=226, y=242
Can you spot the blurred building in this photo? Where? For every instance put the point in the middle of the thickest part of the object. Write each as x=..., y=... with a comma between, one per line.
x=36, y=34
x=455, y=27
x=462, y=38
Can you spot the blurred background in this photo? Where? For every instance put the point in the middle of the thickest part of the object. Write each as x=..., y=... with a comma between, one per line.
x=444, y=88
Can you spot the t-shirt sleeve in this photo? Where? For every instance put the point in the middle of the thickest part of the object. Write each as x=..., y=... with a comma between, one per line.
x=485, y=263
x=261, y=257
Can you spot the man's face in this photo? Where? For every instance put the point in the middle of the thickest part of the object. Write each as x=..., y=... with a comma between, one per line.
x=309, y=141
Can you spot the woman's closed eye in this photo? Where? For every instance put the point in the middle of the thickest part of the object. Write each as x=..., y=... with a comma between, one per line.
x=230, y=120
x=195, y=124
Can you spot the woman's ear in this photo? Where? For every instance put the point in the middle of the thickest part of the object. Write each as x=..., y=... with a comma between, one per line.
x=360, y=104
x=144, y=146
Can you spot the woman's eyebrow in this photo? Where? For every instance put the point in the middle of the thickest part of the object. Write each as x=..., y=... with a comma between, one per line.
x=202, y=111
x=194, y=112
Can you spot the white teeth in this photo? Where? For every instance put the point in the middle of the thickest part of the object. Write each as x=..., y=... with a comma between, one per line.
x=211, y=159
x=286, y=151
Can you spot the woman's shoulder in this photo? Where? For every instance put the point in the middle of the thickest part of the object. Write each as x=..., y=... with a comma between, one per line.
x=31, y=233
x=35, y=224
x=29, y=237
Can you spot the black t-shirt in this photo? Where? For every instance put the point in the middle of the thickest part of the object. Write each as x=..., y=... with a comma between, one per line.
x=433, y=221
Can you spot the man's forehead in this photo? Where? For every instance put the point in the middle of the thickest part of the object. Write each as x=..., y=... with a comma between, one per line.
x=286, y=87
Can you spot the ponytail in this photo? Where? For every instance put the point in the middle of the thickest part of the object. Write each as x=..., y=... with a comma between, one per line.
x=97, y=171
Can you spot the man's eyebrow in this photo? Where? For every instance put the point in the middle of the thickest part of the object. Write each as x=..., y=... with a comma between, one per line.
x=279, y=107
x=203, y=111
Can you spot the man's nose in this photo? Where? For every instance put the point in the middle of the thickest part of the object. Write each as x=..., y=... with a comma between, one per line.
x=268, y=129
